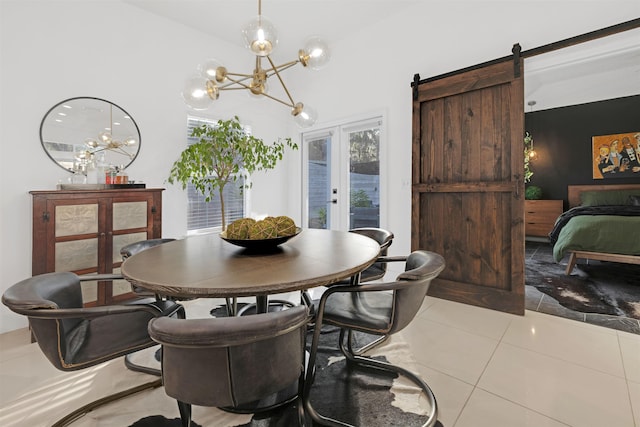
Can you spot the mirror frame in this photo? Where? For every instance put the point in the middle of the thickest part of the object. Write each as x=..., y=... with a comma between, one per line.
x=96, y=132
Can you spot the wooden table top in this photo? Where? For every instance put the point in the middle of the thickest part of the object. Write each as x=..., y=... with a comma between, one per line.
x=207, y=266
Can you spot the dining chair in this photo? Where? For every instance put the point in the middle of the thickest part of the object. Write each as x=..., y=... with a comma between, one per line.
x=74, y=337
x=378, y=269
x=378, y=309
x=374, y=272
x=137, y=247
x=233, y=362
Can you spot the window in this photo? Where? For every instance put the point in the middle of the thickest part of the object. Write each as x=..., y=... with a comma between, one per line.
x=205, y=216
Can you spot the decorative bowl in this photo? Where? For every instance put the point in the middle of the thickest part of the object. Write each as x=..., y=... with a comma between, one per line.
x=259, y=244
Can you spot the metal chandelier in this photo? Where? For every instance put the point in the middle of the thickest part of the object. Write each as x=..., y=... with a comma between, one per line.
x=261, y=38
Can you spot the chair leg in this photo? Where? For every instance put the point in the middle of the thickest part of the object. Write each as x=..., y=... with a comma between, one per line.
x=257, y=308
x=432, y=415
x=132, y=366
x=310, y=374
x=80, y=412
x=185, y=413
x=364, y=348
x=232, y=306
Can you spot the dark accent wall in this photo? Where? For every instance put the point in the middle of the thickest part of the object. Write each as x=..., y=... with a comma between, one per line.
x=562, y=141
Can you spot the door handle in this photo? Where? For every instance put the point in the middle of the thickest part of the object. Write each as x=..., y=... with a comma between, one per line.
x=334, y=201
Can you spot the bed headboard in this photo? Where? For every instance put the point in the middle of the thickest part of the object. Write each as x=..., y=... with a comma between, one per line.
x=574, y=191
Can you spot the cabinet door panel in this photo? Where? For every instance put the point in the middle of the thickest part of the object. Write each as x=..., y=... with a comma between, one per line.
x=76, y=219
x=89, y=291
x=129, y=215
x=120, y=287
x=76, y=255
x=122, y=240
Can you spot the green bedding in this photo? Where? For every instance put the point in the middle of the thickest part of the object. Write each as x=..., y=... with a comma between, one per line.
x=600, y=233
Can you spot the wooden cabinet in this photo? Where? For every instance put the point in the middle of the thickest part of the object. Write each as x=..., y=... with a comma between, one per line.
x=540, y=216
x=83, y=230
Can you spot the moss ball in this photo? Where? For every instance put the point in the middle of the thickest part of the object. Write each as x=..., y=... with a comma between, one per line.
x=263, y=230
x=285, y=225
x=239, y=229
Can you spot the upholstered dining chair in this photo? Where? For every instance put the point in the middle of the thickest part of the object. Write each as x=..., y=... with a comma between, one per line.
x=378, y=269
x=137, y=247
x=378, y=309
x=374, y=272
x=74, y=337
x=232, y=361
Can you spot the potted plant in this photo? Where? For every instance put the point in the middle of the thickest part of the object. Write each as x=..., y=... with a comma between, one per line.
x=224, y=153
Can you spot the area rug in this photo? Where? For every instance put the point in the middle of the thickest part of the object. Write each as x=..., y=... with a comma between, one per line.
x=353, y=395
x=598, y=287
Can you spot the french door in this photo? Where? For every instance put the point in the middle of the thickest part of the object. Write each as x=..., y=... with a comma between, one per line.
x=341, y=175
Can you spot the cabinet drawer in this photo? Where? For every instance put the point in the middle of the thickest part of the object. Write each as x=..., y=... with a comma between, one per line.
x=540, y=216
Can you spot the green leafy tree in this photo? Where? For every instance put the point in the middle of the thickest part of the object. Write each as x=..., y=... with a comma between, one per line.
x=224, y=153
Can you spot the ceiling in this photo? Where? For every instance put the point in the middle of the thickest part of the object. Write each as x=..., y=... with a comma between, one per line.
x=565, y=77
x=346, y=17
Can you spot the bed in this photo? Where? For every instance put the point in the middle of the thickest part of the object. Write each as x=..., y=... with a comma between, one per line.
x=602, y=223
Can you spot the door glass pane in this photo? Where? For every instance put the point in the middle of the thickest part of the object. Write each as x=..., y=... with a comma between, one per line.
x=364, y=178
x=318, y=190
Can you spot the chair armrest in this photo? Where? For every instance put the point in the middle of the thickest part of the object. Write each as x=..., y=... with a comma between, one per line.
x=86, y=312
x=106, y=276
x=399, y=258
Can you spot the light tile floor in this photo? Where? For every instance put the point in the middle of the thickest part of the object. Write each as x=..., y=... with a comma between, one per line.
x=487, y=369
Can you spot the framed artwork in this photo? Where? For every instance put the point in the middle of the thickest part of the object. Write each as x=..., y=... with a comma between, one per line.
x=616, y=155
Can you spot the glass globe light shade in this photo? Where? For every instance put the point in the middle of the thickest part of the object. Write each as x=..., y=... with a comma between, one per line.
x=105, y=136
x=212, y=70
x=316, y=53
x=260, y=36
x=195, y=93
x=303, y=115
x=129, y=141
x=91, y=143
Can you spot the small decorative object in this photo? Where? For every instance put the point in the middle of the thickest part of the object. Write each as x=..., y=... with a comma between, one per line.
x=265, y=234
x=224, y=152
x=239, y=229
x=533, y=192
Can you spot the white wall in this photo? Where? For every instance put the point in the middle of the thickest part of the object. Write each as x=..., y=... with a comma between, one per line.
x=53, y=50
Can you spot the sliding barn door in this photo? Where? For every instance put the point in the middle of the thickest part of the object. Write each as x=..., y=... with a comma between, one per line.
x=468, y=190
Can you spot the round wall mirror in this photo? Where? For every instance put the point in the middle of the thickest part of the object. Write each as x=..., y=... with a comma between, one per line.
x=83, y=130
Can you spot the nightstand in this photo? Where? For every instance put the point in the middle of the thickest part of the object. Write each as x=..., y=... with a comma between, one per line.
x=540, y=216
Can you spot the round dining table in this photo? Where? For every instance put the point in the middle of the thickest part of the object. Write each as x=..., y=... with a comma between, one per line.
x=207, y=266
